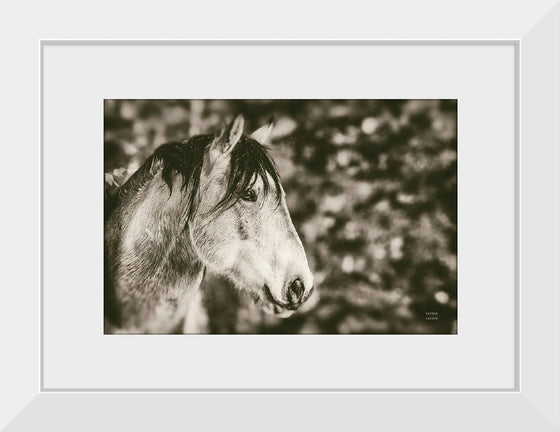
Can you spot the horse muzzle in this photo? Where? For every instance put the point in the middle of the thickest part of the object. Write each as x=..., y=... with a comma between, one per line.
x=296, y=294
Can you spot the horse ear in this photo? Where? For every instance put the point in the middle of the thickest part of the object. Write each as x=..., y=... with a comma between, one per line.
x=230, y=135
x=262, y=134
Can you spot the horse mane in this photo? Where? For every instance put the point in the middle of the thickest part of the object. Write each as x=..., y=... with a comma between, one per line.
x=249, y=160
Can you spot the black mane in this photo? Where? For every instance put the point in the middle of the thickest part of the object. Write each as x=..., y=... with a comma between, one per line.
x=249, y=161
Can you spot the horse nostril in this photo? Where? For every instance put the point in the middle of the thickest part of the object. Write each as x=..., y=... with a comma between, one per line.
x=295, y=291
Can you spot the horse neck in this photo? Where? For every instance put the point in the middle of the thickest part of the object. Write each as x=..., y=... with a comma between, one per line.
x=154, y=259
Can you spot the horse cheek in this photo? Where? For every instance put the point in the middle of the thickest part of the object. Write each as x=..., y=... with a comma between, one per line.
x=213, y=243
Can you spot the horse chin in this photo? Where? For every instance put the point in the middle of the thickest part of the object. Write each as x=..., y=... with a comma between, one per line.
x=269, y=304
x=279, y=313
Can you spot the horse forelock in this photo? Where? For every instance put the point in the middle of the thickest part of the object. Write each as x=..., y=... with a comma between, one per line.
x=250, y=160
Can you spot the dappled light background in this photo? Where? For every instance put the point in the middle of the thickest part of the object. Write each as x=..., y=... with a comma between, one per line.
x=372, y=189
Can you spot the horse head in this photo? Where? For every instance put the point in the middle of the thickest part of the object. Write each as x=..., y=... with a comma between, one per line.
x=242, y=229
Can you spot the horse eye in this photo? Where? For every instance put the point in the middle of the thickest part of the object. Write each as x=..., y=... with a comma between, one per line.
x=249, y=195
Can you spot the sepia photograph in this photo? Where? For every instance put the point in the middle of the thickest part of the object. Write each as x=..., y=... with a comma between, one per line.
x=280, y=216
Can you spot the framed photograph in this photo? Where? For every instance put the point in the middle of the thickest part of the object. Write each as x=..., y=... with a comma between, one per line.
x=303, y=229
x=226, y=232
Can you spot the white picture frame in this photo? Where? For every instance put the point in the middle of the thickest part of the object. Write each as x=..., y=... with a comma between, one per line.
x=533, y=29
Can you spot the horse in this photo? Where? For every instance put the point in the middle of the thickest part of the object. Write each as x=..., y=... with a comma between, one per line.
x=212, y=202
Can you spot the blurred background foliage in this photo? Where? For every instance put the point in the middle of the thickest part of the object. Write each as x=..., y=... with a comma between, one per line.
x=372, y=189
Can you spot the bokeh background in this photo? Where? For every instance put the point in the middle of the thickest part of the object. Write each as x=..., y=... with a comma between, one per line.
x=372, y=189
